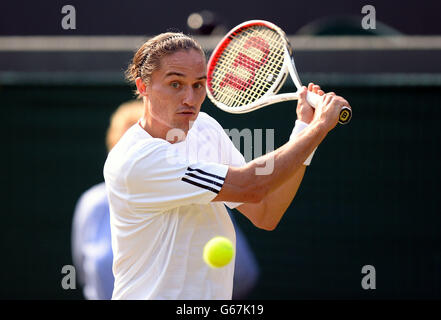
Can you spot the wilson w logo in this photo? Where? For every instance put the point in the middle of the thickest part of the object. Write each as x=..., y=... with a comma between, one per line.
x=248, y=63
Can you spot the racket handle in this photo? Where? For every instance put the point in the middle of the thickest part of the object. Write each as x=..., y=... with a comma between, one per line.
x=345, y=113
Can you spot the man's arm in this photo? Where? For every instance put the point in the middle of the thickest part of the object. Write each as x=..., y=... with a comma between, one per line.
x=243, y=185
x=274, y=205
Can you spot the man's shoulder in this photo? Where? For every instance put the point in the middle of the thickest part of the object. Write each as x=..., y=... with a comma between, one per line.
x=134, y=152
x=136, y=142
x=205, y=120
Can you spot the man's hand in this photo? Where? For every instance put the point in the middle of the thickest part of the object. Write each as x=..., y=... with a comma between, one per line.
x=328, y=111
x=305, y=112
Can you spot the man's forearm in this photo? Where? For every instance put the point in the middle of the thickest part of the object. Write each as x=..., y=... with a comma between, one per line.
x=288, y=159
x=272, y=208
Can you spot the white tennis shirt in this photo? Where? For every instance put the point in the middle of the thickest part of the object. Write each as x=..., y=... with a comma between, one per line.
x=161, y=213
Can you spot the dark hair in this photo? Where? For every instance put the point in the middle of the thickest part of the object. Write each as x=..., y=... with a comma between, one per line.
x=148, y=57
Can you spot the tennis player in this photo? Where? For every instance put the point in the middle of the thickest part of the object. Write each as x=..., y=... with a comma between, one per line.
x=91, y=238
x=170, y=175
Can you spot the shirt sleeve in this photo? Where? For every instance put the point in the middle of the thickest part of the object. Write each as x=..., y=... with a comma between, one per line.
x=233, y=158
x=161, y=179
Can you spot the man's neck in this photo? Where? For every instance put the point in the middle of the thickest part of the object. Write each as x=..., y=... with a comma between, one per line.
x=172, y=135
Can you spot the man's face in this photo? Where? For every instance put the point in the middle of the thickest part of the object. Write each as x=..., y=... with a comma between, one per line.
x=176, y=91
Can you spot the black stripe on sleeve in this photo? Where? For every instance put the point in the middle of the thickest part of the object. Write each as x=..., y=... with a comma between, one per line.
x=206, y=173
x=200, y=185
x=204, y=179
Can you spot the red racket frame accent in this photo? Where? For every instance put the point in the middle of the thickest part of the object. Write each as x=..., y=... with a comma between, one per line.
x=217, y=52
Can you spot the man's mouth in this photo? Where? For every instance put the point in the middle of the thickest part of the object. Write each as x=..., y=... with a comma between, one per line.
x=188, y=112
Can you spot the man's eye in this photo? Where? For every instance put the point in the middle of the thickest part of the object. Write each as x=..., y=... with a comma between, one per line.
x=198, y=85
x=175, y=85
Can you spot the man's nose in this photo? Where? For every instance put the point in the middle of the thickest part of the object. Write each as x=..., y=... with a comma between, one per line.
x=189, y=96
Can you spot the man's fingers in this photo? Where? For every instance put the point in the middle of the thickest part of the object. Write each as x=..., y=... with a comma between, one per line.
x=342, y=101
x=315, y=88
x=327, y=98
x=302, y=93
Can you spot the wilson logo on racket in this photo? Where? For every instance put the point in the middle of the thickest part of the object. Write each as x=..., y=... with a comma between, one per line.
x=344, y=116
x=248, y=63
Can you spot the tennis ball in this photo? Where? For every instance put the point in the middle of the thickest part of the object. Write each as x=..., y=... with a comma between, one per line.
x=218, y=252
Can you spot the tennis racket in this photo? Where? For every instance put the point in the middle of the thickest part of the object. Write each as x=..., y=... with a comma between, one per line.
x=250, y=65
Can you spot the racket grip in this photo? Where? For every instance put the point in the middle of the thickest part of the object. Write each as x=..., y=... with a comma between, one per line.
x=345, y=113
x=313, y=98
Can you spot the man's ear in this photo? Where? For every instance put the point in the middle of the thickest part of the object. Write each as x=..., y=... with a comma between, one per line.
x=140, y=85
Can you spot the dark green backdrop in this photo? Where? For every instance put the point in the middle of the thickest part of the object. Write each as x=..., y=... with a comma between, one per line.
x=370, y=197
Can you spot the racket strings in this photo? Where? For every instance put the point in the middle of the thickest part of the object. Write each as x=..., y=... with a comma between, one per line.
x=260, y=87
x=248, y=66
x=262, y=84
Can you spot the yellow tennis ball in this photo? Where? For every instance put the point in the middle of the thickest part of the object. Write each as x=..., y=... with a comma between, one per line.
x=218, y=252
